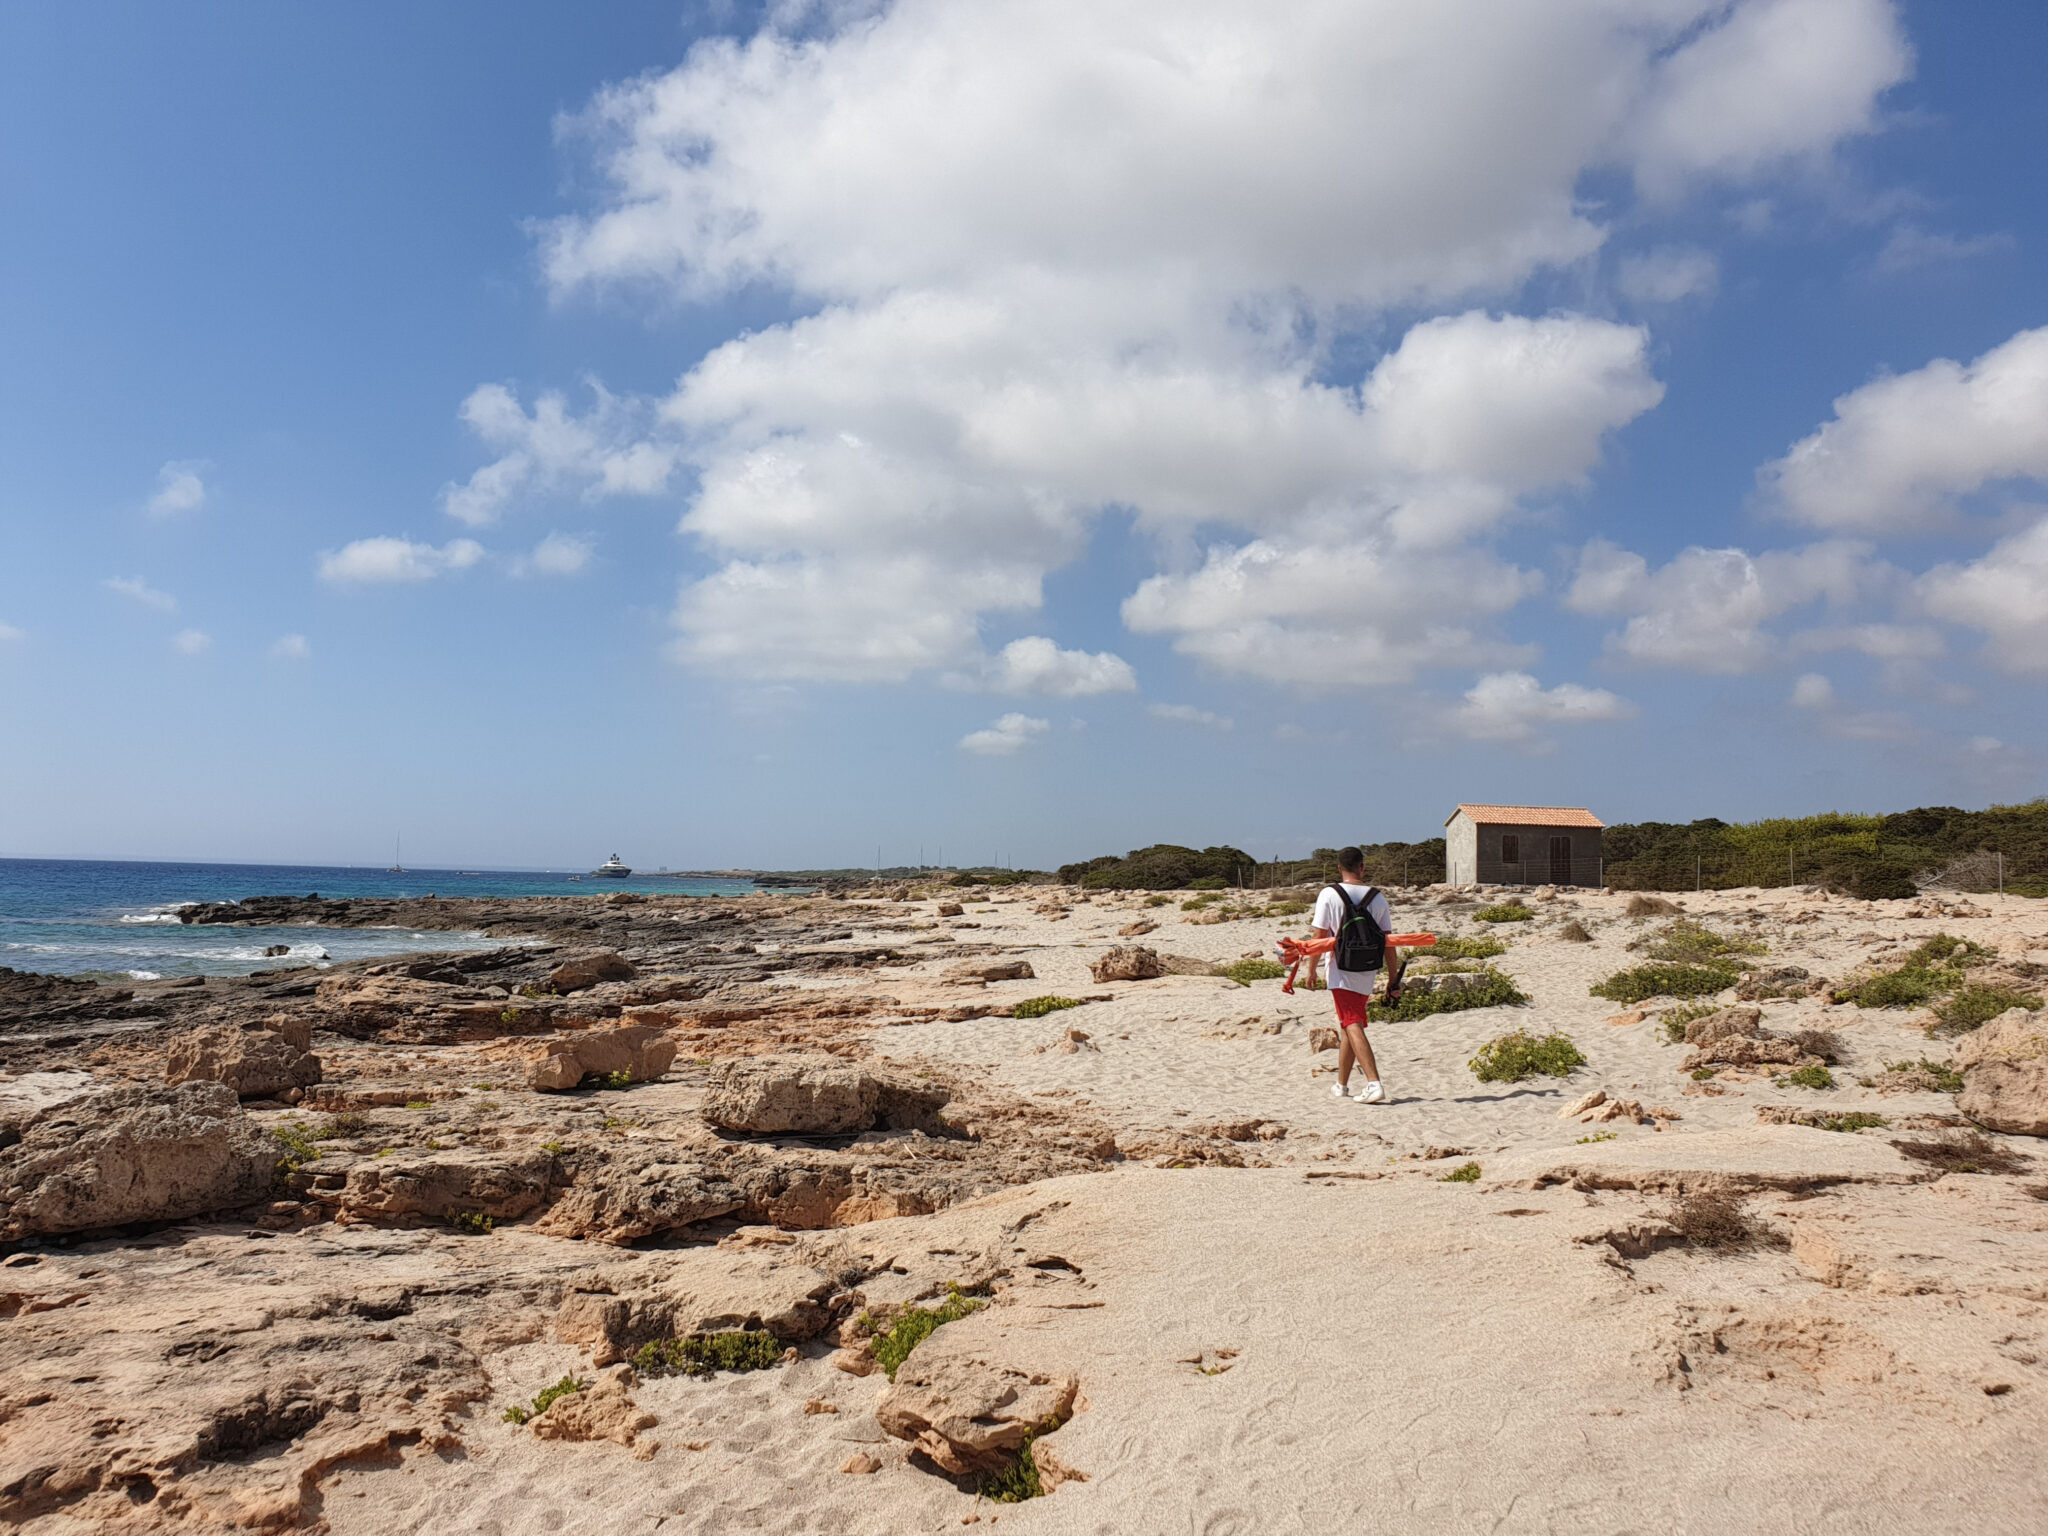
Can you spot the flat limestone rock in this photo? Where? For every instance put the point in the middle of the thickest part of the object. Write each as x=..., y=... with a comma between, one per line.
x=2005, y=1073
x=1745, y=1157
x=642, y=1051
x=256, y=1063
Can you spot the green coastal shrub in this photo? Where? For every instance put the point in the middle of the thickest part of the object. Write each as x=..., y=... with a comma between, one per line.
x=1039, y=1007
x=1974, y=1006
x=1945, y=1077
x=1513, y=1057
x=1494, y=989
x=1930, y=970
x=701, y=1354
x=1255, y=969
x=1503, y=912
x=1691, y=942
x=1464, y=1173
x=1664, y=978
x=1854, y=1120
x=476, y=1223
x=1484, y=947
x=1807, y=1077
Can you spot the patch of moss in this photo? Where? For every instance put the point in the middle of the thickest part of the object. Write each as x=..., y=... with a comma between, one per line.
x=893, y=1345
x=1039, y=1007
x=1494, y=989
x=1464, y=1173
x=701, y=1354
x=541, y=1399
x=1503, y=912
x=1255, y=969
x=1807, y=1077
x=419, y=1103
x=1702, y=1074
x=1513, y=1057
x=1664, y=978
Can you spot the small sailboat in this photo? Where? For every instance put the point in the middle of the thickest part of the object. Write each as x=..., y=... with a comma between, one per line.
x=397, y=863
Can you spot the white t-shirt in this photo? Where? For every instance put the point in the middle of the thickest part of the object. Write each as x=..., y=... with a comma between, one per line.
x=1330, y=918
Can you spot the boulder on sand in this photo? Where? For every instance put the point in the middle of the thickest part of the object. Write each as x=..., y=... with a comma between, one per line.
x=255, y=1063
x=1724, y=1024
x=115, y=1155
x=991, y=970
x=969, y=1414
x=1128, y=962
x=589, y=971
x=2005, y=1073
x=639, y=1050
x=820, y=1096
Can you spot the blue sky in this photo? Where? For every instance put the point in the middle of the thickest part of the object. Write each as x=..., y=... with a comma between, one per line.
x=752, y=436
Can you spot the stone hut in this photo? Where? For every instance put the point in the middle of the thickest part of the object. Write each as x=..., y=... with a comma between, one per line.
x=1523, y=845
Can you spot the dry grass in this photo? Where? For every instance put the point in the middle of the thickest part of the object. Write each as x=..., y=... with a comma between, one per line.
x=1965, y=1152
x=1716, y=1221
x=1652, y=906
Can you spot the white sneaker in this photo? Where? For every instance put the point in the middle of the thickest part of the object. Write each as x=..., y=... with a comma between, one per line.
x=1338, y=1090
x=1371, y=1093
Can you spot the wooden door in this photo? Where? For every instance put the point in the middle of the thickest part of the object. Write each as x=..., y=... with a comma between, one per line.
x=1560, y=861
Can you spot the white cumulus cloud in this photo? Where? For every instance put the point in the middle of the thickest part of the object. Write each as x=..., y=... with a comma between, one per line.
x=1902, y=449
x=1910, y=248
x=1706, y=610
x=1035, y=664
x=191, y=642
x=387, y=559
x=559, y=554
x=291, y=648
x=179, y=488
x=1514, y=708
x=1813, y=691
x=2004, y=595
x=135, y=589
x=1058, y=257
x=12, y=632
x=1188, y=714
x=1011, y=733
x=601, y=452
x=1667, y=274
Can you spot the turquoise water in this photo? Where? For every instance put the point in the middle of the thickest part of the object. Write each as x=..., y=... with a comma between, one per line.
x=77, y=916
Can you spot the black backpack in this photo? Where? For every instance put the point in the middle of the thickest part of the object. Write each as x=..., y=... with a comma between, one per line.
x=1361, y=941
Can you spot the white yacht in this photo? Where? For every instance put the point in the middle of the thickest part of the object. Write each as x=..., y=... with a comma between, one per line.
x=612, y=869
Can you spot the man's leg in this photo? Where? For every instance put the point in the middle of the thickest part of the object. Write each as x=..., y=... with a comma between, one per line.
x=1354, y=1044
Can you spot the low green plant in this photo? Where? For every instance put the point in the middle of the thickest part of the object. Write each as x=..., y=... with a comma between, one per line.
x=1464, y=1173
x=1198, y=904
x=297, y=1142
x=341, y=1126
x=1946, y=1078
x=1702, y=1074
x=1664, y=978
x=419, y=1103
x=384, y=1152
x=1503, y=912
x=1973, y=1006
x=1513, y=1057
x=541, y=1399
x=893, y=1346
x=1854, y=1120
x=434, y=1144
x=701, y=1354
x=1039, y=1007
x=623, y=1078
x=1932, y=969
x=1158, y=901
x=1254, y=969
x=1691, y=942
x=511, y=1018
x=1596, y=1136
x=1485, y=947
x=1286, y=909
x=1209, y=883
x=1494, y=989
x=474, y=1222
x=1807, y=1077
x=1017, y=1479
x=557, y=1146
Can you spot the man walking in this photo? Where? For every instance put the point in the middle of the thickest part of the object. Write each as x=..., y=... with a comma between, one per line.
x=1357, y=916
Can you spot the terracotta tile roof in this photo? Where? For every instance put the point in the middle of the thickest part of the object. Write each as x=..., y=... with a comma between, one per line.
x=1531, y=815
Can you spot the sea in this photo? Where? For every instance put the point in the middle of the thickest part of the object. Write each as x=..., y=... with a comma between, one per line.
x=111, y=920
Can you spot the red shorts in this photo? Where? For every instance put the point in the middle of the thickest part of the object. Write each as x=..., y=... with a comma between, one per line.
x=1350, y=1007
